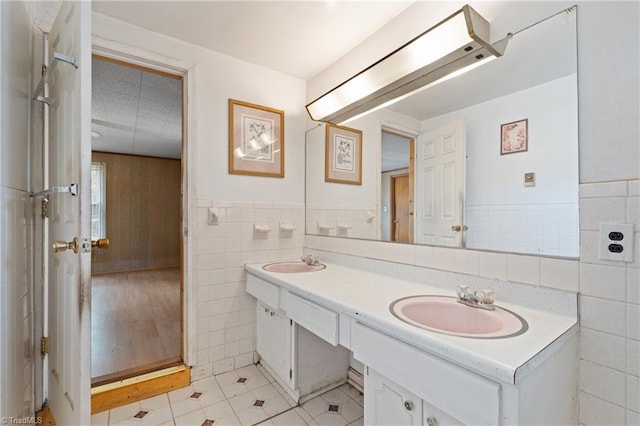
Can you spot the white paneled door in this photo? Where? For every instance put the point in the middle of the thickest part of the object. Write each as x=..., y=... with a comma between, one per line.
x=69, y=314
x=440, y=166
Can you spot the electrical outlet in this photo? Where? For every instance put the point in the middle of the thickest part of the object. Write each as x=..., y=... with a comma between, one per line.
x=616, y=242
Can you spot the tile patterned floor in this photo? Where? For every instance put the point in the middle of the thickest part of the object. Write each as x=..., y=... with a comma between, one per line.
x=246, y=396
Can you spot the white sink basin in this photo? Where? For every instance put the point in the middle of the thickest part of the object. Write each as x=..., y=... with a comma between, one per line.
x=292, y=267
x=444, y=314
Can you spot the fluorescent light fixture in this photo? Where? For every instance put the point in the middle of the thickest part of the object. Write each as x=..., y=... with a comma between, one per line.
x=457, y=42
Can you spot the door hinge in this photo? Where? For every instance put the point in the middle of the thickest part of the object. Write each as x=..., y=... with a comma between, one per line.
x=44, y=346
x=291, y=322
x=44, y=210
x=186, y=232
x=290, y=373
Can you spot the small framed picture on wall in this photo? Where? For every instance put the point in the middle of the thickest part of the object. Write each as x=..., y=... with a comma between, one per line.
x=514, y=137
x=343, y=155
x=256, y=140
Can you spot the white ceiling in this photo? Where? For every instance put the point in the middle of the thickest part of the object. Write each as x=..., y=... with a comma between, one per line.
x=135, y=112
x=298, y=38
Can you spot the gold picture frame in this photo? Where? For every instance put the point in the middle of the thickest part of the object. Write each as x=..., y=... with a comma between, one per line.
x=343, y=155
x=256, y=140
x=514, y=137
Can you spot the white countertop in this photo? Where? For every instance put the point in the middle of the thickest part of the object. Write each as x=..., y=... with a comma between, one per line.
x=366, y=297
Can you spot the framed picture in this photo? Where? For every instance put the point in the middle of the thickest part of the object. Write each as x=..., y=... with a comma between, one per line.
x=256, y=140
x=343, y=155
x=513, y=137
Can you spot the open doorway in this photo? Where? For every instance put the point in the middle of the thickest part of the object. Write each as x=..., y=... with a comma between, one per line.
x=398, y=177
x=137, y=205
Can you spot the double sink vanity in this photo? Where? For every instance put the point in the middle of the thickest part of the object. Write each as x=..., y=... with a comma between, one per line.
x=428, y=359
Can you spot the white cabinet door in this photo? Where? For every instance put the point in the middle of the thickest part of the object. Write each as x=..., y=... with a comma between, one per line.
x=281, y=341
x=273, y=340
x=263, y=332
x=386, y=403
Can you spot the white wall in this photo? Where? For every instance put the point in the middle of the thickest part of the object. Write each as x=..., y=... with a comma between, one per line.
x=608, y=69
x=224, y=335
x=16, y=318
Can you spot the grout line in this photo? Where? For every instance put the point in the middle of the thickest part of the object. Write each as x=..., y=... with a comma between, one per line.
x=276, y=415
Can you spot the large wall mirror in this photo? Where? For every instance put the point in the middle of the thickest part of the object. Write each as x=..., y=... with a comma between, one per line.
x=485, y=160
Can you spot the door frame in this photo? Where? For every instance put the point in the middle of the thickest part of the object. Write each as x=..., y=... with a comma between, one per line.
x=148, y=59
x=411, y=134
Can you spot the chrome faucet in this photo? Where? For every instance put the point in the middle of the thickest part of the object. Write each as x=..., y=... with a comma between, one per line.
x=310, y=260
x=482, y=300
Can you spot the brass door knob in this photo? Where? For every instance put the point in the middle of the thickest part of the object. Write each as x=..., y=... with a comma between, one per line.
x=458, y=228
x=101, y=243
x=60, y=246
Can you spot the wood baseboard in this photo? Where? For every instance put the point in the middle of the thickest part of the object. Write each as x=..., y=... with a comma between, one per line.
x=137, y=371
x=138, y=388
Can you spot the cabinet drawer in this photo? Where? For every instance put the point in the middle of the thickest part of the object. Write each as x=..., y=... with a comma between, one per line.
x=263, y=291
x=319, y=320
x=450, y=388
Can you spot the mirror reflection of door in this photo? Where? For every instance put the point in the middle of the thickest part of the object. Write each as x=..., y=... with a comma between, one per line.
x=441, y=173
x=400, y=219
x=136, y=203
x=397, y=167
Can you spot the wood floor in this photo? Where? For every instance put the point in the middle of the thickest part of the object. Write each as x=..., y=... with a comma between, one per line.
x=135, y=323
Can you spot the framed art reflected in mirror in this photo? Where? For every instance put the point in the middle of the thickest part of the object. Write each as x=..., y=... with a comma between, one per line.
x=343, y=155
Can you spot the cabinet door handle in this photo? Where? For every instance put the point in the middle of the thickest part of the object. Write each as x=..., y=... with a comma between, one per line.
x=272, y=313
x=408, y=405
x=431, y=421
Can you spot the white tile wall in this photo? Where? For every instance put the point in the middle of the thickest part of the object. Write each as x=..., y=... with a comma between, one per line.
x=16, y=347
x=610, y=310
x=225, y=313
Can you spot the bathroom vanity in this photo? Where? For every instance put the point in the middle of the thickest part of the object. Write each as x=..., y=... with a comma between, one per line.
x=309, y=321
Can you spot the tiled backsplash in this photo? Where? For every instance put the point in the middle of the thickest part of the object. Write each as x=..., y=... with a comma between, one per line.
x=225, y=313
x=533, y=270
x=16, y=316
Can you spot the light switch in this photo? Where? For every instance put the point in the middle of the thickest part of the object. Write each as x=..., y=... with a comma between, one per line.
x=529, y=179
